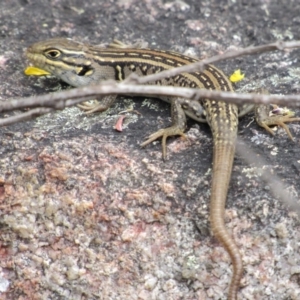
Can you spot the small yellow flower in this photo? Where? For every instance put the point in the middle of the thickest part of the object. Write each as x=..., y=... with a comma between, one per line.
x=35, y=71
x=236, y=76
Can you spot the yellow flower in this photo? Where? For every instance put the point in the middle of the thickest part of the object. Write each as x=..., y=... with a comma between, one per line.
x=236, y=76
x=35, y=71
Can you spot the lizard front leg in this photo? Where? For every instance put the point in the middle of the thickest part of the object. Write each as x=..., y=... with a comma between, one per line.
x=98, y=105
x=270, y=115
x=277, y=116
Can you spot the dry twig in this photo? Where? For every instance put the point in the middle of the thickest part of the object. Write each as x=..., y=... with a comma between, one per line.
x=72, y=97
x=274, y=182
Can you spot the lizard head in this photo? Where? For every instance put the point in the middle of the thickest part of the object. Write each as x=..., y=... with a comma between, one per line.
x=66, y=59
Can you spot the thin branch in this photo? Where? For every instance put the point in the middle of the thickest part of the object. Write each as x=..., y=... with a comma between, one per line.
x=68, y=98
x=200, y=66
x=275, y=183
x=62, y=99
x=33, y=113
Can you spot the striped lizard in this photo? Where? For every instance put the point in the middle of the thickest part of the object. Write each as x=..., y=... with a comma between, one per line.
x=79, y=65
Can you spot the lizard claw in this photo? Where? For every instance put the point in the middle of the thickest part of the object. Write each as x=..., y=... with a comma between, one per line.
x=164, y=134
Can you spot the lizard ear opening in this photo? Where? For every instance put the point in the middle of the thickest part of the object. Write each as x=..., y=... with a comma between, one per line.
x=84, y=71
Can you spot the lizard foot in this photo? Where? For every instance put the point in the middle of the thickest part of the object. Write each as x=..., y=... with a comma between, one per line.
x=164, y=134
x=95, y=105
x=91, y=106
x=278, y=116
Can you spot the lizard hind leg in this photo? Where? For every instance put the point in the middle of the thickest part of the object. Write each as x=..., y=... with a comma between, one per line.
x=177, y=128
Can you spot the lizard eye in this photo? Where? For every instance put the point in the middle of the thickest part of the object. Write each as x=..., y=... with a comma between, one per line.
x=52, y=53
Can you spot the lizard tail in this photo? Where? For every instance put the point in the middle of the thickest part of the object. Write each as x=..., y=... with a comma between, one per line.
x=222, y=166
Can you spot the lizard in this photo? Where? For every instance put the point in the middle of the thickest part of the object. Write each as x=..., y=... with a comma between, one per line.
x=80, y=64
